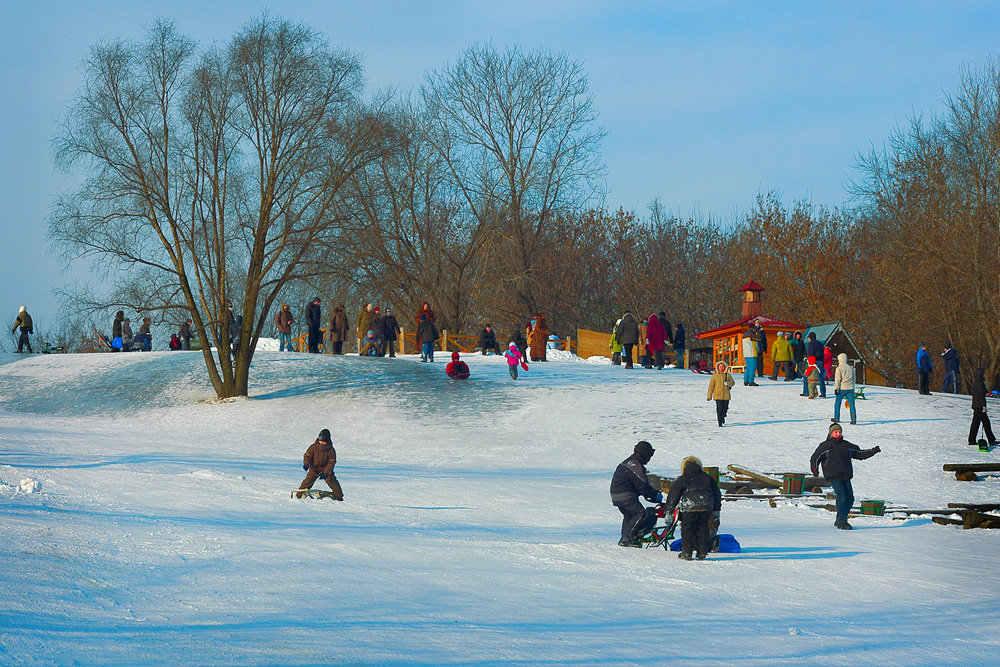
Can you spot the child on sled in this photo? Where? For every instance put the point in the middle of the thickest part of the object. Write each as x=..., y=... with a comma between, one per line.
x=318, y=462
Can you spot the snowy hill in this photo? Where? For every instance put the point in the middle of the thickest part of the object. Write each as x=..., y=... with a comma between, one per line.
x=477, y=526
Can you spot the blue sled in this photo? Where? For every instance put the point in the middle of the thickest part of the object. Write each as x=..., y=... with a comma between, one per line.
x=727, y=544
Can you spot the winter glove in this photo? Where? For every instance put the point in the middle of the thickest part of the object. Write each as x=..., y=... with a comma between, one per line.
x=322, y=475
x=877, y=449
x=305, y=467
x=659, y=497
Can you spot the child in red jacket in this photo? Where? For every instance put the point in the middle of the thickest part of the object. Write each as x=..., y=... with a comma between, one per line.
x=457, y=369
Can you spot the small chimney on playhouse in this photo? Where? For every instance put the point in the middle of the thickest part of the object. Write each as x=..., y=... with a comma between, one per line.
x=751, y=299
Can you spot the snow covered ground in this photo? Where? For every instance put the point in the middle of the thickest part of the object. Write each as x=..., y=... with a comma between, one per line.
x=477, y=527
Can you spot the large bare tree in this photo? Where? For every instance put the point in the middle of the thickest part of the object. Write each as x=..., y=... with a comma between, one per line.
x=517, y=134
x=212, y=176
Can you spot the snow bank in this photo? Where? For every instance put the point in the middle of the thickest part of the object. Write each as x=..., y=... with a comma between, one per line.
x=477, y=526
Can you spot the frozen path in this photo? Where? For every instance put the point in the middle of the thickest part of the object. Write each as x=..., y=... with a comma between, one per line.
x=477, y=527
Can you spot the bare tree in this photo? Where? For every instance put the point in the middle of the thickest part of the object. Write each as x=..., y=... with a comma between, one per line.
x=516, y=133
x=212, y=177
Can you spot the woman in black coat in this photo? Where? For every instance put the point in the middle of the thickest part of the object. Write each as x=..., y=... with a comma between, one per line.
x=979, y=415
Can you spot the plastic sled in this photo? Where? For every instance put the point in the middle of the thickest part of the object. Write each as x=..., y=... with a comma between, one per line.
x=724, y=543
x=524, y=365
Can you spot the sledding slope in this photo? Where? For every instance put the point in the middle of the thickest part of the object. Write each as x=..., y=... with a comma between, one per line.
x=477, y=526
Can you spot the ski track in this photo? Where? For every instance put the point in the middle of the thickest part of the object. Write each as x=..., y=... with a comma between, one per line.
x=477, y=527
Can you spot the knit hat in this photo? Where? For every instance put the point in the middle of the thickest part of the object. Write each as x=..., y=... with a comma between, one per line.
x=512, y=345
x=324, y=436
x=454, y=355
x=21, y=309
x=781, y=333
x=376, y=309
x=835, y=427
x=388, y=309
x=644, y=449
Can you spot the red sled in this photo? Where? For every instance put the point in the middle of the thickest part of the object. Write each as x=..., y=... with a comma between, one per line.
x=524, y=365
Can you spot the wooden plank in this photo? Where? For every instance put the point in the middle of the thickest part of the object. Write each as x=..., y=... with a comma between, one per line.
x=979, y=507
x=763, y=479
x=971, y=467
x=943, y=521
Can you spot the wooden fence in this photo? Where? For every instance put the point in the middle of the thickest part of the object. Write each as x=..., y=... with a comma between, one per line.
x=408, y=342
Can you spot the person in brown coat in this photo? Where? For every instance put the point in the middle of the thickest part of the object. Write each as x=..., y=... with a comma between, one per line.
x=336, y=329
x=365, y=317
x=538, y=338
x=318, y=462
x=425, y=309
x=718, y=389
x=283, y=321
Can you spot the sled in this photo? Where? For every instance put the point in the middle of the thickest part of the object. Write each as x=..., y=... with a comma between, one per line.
x=983, y=445
x=313, y=493
x=724, y=543
x=658, y=535
x=524, y=365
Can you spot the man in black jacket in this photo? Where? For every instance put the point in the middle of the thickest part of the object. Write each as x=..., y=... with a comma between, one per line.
x=391, y=331
x=696, y=495
x=313, y=322
x=628, y=483
x=979, y=410
x=950, y=356
x=835, y=455
x=488, y=341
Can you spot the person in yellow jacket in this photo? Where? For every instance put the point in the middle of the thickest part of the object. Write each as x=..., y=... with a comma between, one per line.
x=781, y=356
x=718, y=389
x=616, y=347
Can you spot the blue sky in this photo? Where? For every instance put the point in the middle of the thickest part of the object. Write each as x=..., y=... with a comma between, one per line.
x=705, y=104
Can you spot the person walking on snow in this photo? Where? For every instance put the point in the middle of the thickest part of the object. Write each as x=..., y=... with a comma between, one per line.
x=695, y=494
x=979, y=415
x=318, y=462
x=514, y=359
x=457, y=369
x=950, y=356
x=924, y=368
x=814, y=349
x=427, y=334
x=835, y=455
x=718, y=389
x=23, y=322
x=843, y=388
x=391, y=330
x=337, y=329
x=185, y=334
x=627, y=484
x=811, y=378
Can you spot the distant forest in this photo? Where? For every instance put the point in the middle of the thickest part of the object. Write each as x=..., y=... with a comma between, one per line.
x=255, y=171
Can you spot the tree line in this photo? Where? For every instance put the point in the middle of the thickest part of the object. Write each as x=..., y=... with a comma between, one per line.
x=257, y=171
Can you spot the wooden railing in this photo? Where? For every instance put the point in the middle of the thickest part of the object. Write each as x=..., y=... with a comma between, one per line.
x=408, y=342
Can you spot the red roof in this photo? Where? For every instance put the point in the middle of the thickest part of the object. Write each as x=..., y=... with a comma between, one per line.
x=767, y=322
x=751, y=285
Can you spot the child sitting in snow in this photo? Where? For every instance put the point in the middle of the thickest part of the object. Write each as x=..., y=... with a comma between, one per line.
x=695, y=494
x=318, y=462
x=457, y=369
x=514, y=359
x=369, y=345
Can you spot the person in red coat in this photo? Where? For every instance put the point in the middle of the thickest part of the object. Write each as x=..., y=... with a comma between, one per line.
x=457, y=369
x=656, y=340
x=425, y=309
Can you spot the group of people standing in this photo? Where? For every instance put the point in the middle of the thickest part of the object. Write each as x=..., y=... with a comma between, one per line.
x=124, y=340
x=649, y=338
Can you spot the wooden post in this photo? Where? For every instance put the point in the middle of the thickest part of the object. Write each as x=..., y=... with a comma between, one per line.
x=402, y=340
x=444, y=340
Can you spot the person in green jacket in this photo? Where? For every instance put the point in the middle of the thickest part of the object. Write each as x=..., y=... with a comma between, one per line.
x=616, y=347
x=781, y=357
x=27, y=328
